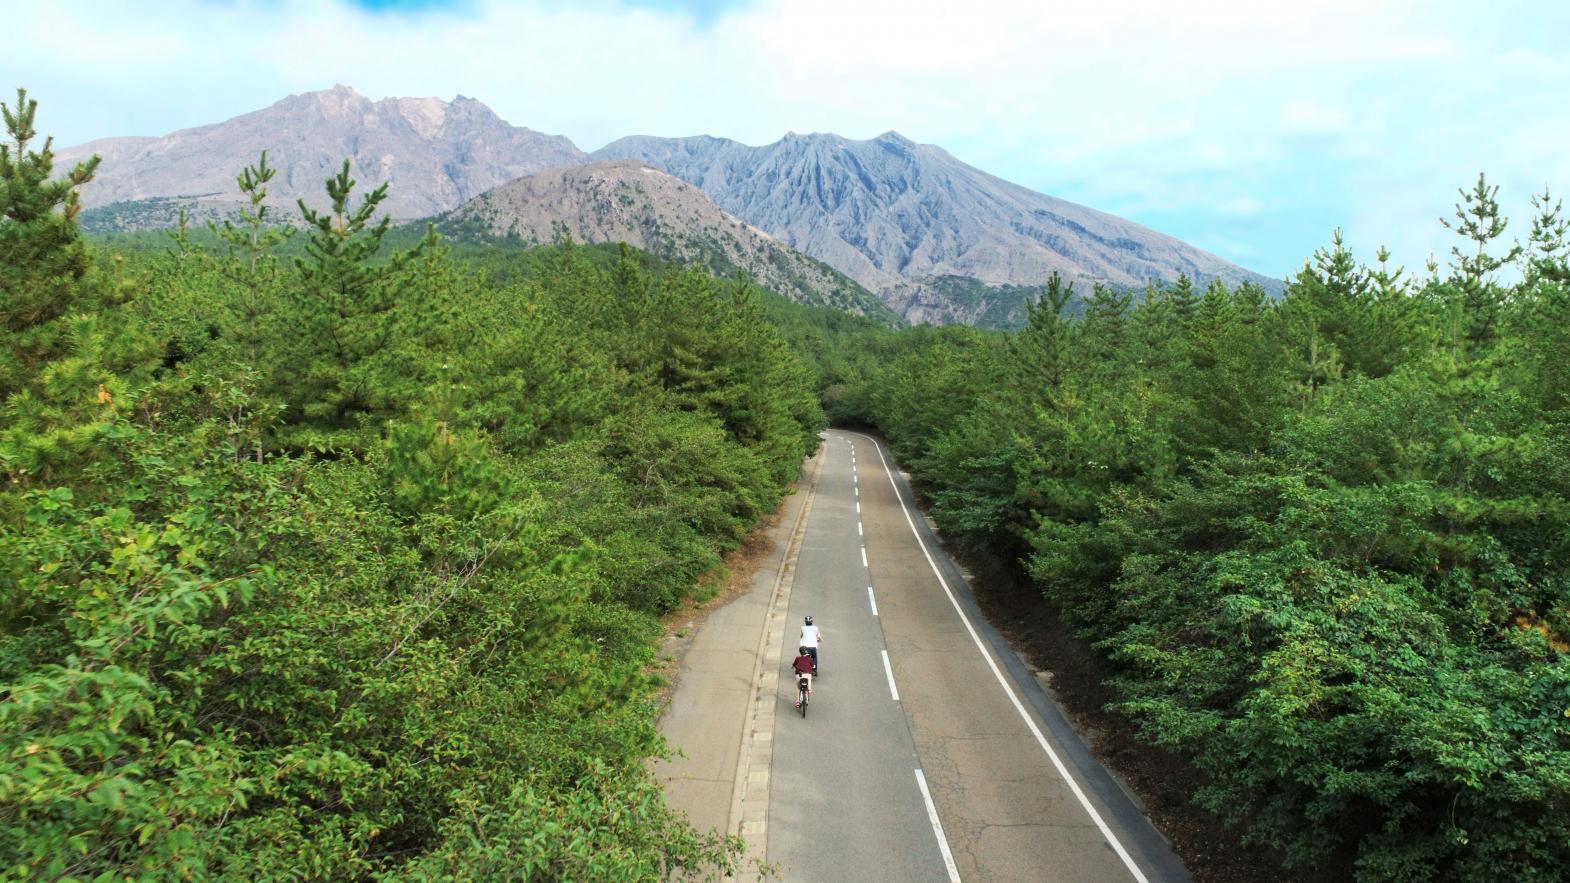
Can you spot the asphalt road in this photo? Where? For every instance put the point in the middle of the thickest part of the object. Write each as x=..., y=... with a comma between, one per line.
x=971, y=772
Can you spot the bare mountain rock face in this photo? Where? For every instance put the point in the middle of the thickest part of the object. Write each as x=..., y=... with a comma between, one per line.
x=935, y=239
x=631, y=202
x=898, y=216
x=435, y=153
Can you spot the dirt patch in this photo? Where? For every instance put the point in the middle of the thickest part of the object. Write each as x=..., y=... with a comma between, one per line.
x=1164, y=781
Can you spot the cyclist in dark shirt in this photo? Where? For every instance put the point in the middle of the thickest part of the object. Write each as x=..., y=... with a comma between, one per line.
x=803, y=668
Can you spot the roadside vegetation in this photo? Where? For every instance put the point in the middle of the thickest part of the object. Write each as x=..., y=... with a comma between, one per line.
x=1324, y=541
x=322, y=558
x=337, y=553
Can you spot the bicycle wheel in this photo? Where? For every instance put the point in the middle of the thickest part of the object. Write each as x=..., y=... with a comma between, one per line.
x=802, y=695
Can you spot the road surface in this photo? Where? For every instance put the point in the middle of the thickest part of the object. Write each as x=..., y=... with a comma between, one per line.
x=929, y=751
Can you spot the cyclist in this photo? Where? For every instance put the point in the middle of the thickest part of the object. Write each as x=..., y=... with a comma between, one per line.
x=803, y=669
x=811, y=636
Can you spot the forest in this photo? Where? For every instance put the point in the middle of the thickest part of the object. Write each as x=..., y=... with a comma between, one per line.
x=1323, y=541
x=339, y=552
x=347, y=563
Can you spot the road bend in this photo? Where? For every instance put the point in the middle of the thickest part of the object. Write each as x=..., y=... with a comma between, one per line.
x=929, y=752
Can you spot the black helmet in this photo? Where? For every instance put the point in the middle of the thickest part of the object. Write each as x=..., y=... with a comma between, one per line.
x=809, y=619
x=803, y=651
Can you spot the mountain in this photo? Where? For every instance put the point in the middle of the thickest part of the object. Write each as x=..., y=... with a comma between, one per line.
x=900, y=217
x=631, y=202
x=436, y=153
x=935, y=239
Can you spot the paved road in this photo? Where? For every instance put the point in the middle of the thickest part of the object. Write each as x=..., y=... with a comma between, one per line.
x=971, y=773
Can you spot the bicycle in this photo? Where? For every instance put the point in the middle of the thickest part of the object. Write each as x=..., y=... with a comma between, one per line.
x=802, y=694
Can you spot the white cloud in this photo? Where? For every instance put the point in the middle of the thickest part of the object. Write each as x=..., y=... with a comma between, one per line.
x=1241, y=207
x=1306, y=115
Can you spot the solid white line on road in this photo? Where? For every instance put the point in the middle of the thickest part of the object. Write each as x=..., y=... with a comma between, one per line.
x=1019, y=706
x=872, y=600
x=937, y=828
x=863, y=556
x=888, y=670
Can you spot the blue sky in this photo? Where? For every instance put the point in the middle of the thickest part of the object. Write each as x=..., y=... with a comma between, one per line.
x=1249, y=129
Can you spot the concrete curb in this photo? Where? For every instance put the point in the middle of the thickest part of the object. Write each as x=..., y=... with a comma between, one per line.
x=750, y=795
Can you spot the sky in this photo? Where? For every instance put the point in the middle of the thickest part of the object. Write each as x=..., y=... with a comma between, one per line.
x=1250, y=129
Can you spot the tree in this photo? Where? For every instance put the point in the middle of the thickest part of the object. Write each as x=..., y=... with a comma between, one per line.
x=43, y=261
x=346, y=366
x=1542, y=342
x=1477, y=297
x=1103, y=332
x=252, y=266
x=1546, y=254
x=1183, y=297
x=65, y=356
x=1039, y=349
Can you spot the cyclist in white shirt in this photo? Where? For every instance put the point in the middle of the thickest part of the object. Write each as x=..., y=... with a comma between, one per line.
x=810, y=637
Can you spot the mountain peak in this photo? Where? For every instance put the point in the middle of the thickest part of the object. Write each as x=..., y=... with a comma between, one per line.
x=426, y=115
x=339, y=99
x=434, y=153
x=900, y=218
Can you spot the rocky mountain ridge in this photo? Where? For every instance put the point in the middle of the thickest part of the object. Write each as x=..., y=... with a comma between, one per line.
x=435, y=153
x=631, y=202
x=895, y=215
x=937, y=240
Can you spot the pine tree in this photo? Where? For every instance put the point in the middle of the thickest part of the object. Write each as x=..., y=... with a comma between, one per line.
x=1104, y=330
x=252, y=266
x=342, y=373
x=1546, y=254
x=1543, y=339
x=1039, y=350
x=65, y=355
x=43, y=260
x=1477, y=295
x=1183, y=297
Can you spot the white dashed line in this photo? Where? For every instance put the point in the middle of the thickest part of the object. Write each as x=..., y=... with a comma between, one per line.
x=863, y=556
x=872, y=600
x=888, y=670
x=858, y=529
x=937, y=828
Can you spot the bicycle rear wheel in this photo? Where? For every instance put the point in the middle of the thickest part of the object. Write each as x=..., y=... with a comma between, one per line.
x=802, y=696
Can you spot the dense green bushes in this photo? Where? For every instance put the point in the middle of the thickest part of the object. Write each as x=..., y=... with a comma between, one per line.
x=1325, y=542
x=347, y=567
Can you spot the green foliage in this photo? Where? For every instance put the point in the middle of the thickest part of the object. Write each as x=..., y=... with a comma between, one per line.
x=353, y=348
x=1324, y=541
x=65, y=356
x=348, y=568
x=44, y=257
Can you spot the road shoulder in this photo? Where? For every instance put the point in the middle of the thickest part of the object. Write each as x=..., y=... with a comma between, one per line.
x=713, y=717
